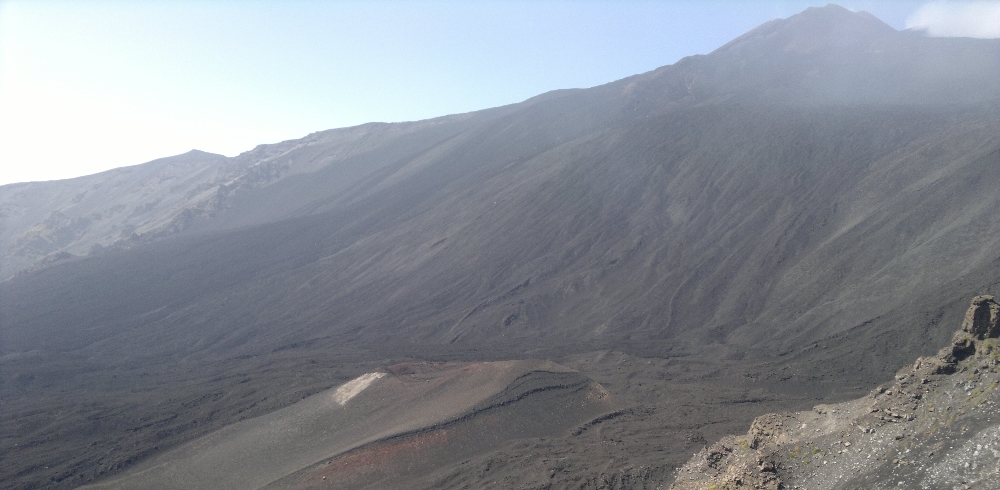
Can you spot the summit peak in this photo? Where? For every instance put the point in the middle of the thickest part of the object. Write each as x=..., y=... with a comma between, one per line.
x=812, y=29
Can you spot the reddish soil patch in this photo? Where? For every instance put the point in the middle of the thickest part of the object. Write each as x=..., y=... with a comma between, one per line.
x=378, y=457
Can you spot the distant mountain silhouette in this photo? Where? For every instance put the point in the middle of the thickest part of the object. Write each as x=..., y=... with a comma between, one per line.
x=820, y=189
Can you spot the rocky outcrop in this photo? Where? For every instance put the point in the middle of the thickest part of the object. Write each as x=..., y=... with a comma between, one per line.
x=936, y=425
x=981, y=319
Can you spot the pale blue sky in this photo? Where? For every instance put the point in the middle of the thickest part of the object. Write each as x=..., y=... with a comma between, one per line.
x=91, y=85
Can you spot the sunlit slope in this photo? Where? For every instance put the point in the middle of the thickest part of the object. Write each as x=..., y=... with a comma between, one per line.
x=46, y=222
x=379, y=426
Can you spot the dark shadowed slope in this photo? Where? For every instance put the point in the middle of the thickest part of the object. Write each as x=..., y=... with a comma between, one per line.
x=821, y=188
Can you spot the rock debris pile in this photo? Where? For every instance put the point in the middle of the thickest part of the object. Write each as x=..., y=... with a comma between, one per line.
x=936, y=425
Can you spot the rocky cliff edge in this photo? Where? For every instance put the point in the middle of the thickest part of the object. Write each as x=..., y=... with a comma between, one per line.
x=936, y=425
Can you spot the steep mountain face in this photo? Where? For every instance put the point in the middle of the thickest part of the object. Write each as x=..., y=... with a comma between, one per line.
x=937, y=425
x=822, y=190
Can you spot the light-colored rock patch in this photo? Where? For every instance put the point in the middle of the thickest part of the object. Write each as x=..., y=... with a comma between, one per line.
x=351, y=388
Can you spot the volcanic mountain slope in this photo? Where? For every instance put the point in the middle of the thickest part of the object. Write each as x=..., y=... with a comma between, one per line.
x=937, y=425
x=822, y=56
x=602, y=215
x=822, y=189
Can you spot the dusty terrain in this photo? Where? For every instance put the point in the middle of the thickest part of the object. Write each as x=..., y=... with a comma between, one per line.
x=383, y=428
x=777, y=224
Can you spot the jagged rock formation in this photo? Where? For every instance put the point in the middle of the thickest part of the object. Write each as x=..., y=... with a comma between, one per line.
x=937, y=425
